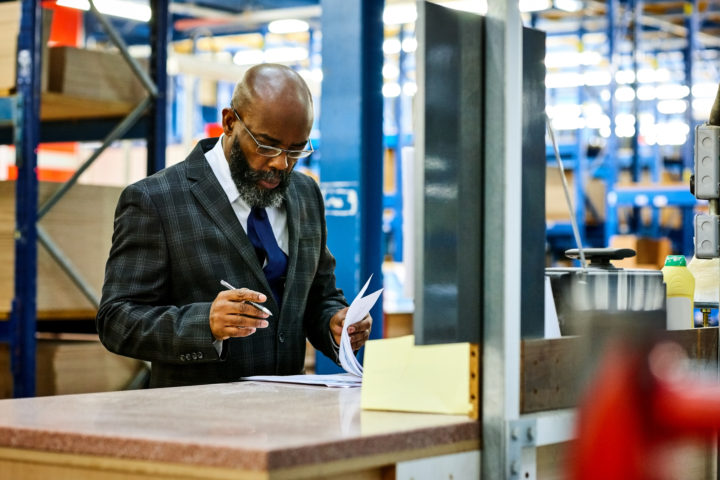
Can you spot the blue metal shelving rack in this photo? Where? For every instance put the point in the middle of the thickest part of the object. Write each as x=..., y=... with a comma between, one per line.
x=655, y=196
x=20, y=114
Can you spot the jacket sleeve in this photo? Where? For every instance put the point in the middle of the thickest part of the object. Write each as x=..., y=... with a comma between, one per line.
x=135, y=318
x=324, y=299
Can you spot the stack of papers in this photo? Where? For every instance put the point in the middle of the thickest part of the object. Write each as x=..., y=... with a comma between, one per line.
x=359, y=308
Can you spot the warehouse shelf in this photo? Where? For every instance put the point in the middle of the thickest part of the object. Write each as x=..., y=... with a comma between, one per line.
x=65, y=118
x=603, y=41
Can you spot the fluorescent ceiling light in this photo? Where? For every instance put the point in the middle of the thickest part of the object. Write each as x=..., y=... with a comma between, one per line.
x=391, y=46
x=671, y=91
x=671, y=133
x=646, y=92
x=597, y=122
x=286, y=54
x=117, y=8
x=248, y=57
x=409, y=89
x=391, y=90
x=271, y=55
x=670, y=107
x=409, y=45
x=572, y=59
x=624, y=94
x=596, y=78
x=569, y=5
x=705, y=90
x=399, y=14
x=624, y=76
x=568, y=123
x=288, y=25
x=533, y=5
x=474, y=6
x=390, y=71
x=651, y=75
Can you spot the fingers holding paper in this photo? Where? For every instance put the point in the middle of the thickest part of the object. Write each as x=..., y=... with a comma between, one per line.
x=336, y=324
x=232, y=316
x=359, y=332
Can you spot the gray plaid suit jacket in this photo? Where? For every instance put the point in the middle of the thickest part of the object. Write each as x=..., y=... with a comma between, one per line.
x=176, y=236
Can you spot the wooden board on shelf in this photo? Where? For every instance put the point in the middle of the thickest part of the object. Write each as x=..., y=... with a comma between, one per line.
x=554, y=371
x=73, y=364
x=57, y=106
x=81, y=224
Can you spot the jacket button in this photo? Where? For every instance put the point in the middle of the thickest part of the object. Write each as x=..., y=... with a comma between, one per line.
x=194, y=356
x=182, y=357
x=281, y=337
x=199, y=355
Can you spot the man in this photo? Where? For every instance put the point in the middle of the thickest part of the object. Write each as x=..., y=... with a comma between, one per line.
x=232, y=211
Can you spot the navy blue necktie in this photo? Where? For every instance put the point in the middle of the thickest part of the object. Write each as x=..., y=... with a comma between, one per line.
x=266, y=247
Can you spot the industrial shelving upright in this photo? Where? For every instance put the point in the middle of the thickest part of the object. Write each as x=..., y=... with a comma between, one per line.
x=620, y=17
x=21, y=113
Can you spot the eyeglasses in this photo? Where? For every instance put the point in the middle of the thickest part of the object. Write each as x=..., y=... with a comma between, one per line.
x=268, y=151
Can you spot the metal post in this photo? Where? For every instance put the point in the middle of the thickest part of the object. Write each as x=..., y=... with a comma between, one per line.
x=351, y=147
x=501, y=226
x=24, y=306
x=611, y=218
x=691, y=22
x=157, y=134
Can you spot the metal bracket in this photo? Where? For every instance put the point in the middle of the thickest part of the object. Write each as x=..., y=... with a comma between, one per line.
x=706, y=236
x=707, y=162
x=522, y=433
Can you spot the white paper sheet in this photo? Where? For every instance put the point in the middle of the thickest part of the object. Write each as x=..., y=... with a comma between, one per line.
x=343, y=380
x=359, y=308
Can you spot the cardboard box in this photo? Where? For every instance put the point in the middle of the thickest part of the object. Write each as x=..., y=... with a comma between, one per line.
x=81, y=224
x=556, y=208
x=10, y=13
x=651, y=252
x=9, y=29
x=93, y=74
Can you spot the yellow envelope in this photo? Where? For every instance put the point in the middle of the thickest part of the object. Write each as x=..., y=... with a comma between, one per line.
x=398, y=375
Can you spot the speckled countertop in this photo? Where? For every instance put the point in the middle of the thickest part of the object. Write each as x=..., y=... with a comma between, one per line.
x=250, y=425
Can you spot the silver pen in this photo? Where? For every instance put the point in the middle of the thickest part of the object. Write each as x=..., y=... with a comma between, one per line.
x=256, y=305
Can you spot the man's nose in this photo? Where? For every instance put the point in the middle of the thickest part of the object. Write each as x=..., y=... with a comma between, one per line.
x=280, y=162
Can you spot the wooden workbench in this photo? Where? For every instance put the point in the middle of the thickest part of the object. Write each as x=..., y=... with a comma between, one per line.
x=235, y=430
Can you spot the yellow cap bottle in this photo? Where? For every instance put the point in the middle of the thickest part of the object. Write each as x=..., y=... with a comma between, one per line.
x=680, y=289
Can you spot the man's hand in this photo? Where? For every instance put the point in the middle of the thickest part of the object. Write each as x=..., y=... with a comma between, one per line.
x=230, y=316
x=359, y=332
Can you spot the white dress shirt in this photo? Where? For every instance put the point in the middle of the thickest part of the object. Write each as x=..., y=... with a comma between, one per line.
x=277, y=215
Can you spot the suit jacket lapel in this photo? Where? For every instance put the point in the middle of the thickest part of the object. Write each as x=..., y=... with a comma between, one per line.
x=293, y=225
x=208, y=192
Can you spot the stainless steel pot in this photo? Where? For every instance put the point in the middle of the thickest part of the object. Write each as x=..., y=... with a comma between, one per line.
x=603, y=288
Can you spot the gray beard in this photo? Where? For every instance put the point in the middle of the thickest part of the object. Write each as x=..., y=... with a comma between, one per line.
x=246, y=178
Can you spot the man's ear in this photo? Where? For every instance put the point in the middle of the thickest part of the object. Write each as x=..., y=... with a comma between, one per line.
x=228, y=120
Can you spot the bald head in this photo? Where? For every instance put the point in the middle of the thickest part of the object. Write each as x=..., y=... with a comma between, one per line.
x=273, y=86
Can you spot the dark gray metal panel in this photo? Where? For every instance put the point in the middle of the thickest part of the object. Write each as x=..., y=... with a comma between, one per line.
x=450, y=298
x=533, y=185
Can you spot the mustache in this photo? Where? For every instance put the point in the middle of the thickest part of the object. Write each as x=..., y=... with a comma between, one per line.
x=270, y=175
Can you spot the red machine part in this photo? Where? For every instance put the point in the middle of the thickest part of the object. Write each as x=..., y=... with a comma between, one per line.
x=639, y=402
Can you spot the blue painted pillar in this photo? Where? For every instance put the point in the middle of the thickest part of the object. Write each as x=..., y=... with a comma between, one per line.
x=24, y=306
x=351, y=166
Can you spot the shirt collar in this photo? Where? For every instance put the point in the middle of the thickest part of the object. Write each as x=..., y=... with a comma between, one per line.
x=221, y=168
